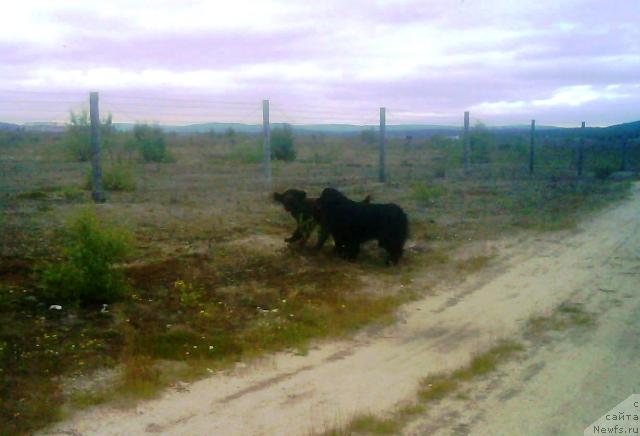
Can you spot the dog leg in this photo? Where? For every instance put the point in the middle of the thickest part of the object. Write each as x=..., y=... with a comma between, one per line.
x=394, y=255
x=296, y=236
x=351, y=250
x=323, y=235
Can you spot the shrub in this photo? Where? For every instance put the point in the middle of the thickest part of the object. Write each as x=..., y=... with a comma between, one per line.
x=230, y=135
x=77, y=136
x=115, y=177
x=427, y=194
x=482, y=144
x=282, y=143
x=246, y=152
x=602, y=172
x=151, y=142
x=87, y=274
x=368, y=136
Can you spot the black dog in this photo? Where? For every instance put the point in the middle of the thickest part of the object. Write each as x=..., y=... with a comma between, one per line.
x=307, y=215
x=352, y=223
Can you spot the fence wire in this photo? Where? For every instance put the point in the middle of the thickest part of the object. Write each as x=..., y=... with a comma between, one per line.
x=419, y=143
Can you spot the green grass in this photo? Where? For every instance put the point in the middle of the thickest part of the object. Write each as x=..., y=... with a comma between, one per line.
x=565, y=316
x=488, y=362
x=246, y=152
x=366, y=424
x=116, y=176
x=436, y=387
x=473, y=264
x=84, y=399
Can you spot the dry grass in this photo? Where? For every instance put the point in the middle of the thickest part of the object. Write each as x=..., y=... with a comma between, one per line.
x=206, y=223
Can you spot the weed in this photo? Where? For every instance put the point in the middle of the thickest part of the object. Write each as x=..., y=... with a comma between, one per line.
x=473, y=264
x=603, y=171
x=117, y=176
x=246, y=152
x=488, y=361
x=563, y=317
x=436, y=387
x=87, y=273
x=428, y=194
x=282, y=144
x=150, y=141
x=77, y=135
x=141, y=378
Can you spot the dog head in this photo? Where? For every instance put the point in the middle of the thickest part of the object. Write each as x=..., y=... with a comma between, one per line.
x=331, y=196
x=292, y=199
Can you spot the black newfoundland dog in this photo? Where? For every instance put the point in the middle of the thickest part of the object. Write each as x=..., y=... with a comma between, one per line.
x=352, y=223
x=307, y=215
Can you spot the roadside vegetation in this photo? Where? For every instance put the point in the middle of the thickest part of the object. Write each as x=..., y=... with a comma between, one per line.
x=184, y=270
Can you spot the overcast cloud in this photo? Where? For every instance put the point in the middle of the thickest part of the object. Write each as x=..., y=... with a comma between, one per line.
x=559, y=61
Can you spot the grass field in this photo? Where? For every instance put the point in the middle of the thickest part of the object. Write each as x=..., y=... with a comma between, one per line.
x=210, y=280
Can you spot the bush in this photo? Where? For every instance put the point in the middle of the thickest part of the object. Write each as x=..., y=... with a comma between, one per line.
x=115, y=177
x=282, y=143
x=482, y=144
x=87, y=274
x=230, y=135
x=427, y=194
x=77, y=136
x=602, y=172
x=151, y=142
x=246, y=152
x=368, y=136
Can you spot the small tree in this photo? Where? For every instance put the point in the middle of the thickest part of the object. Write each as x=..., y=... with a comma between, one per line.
x=151, y=142
x=368, y=136
x=77, y=136
x=282, y=143
x=87, y=274
x=230, y=135
x=483, y=143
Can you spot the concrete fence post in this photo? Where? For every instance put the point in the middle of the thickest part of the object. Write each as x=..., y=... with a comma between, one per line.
x=466, y=144
x=382, y=177
x=266, y=142
x=96, y=170
x=532, y=146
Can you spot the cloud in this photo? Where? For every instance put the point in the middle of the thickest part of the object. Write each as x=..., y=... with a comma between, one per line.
x=426, y=61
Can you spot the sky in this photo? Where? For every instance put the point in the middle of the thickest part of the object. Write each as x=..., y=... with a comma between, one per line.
x=506, y=61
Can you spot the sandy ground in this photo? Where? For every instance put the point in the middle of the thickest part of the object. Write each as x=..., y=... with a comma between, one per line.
x=574, y=380
x=565, y=384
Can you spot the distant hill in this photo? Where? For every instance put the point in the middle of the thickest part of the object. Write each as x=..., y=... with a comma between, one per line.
x=415, y=130
x=43, y=127
x=333, y=129
x=627, y=130
x=9, y=126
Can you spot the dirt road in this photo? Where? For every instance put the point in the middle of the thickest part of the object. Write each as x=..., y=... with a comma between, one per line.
x=598, y=264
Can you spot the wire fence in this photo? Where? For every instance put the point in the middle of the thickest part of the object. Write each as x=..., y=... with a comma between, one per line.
x=388, y=145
